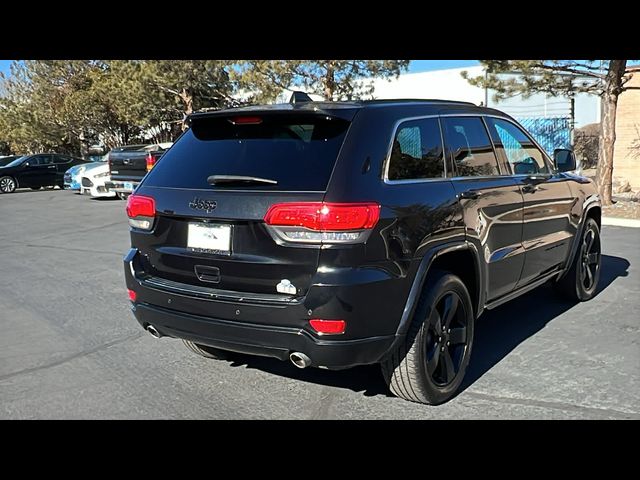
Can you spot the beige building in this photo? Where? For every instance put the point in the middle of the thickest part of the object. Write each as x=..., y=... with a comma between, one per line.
x=626, y=159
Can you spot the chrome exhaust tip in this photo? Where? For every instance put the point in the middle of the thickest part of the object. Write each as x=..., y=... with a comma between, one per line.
x=152, y=330
x=300, y=360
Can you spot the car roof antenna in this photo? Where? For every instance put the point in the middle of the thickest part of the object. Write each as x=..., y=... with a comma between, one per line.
x=299, y=97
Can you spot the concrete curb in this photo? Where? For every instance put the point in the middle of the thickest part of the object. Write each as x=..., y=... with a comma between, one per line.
x=621, y=222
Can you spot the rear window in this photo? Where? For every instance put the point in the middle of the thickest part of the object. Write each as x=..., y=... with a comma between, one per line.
x=296, y=151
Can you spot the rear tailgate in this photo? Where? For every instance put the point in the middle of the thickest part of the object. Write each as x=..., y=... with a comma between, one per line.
x=128, y=163
x=298, y=151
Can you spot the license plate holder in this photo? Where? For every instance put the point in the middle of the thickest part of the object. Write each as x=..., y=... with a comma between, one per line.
x=128, y=186
x=209, y=238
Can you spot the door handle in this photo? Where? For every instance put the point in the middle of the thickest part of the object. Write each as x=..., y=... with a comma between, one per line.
x=51, y=166
x=470, y=195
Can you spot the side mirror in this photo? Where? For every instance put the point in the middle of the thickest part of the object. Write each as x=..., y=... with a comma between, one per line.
x=564, y=159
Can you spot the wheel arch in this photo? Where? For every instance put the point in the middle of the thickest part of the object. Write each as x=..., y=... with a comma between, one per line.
x=455, y=258
x=592, y=210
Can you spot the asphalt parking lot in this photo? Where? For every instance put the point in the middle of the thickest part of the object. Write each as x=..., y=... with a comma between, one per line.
x=70, y=348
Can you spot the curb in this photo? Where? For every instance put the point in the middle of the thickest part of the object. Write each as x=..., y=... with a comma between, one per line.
x=621, y=222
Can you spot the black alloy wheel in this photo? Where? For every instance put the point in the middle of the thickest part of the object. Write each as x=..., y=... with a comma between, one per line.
x=446, y=339
x=430, y=363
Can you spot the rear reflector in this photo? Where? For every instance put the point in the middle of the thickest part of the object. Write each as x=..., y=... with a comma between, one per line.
x=323, y=217
x=328, y=327
x=132, y=295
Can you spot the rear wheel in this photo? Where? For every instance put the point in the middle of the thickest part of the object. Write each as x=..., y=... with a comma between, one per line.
x=7, y=185
x=206, y=351
x=430, y=364
x=581, y=281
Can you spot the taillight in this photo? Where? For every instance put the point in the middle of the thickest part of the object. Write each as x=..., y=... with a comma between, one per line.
x=320, y=222
x=151, y=161
x=141, y=211
x=328, y=327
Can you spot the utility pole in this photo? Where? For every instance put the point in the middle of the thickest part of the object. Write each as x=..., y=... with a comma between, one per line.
x=572, y=121
x=486, y=90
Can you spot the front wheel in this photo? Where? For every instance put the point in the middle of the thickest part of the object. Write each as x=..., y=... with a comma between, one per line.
x=581, y=281
x=430, y=364
x=7, y=185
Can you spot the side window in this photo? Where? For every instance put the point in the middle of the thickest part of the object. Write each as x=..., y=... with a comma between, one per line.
x=46, y=160
x=470, y=147
x=523, y=156
x=59, y=159
x=416, y=152
x=37, y=160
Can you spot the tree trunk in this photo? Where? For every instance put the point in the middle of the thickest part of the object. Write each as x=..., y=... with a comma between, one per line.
x=608, y=107
x=329, y=83
x=187, y=99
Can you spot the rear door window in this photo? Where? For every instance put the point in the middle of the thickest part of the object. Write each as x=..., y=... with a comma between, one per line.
x=469, y=146
x=298, y=151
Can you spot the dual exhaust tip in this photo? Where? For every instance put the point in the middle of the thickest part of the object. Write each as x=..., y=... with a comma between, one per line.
x=152, y=330
x=299, y=359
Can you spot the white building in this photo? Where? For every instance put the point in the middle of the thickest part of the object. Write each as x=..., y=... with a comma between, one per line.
x=449, y=85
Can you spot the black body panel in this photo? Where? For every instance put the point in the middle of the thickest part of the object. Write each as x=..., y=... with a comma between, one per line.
x=514, y=236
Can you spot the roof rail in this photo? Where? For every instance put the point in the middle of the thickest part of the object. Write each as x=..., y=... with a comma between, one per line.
x=418, y=100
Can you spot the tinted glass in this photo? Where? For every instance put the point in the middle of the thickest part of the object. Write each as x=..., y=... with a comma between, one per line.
x=7, y=160
x=523, y=156
x=61, y=159
x=36, y=160
x=417, y=151
x=297, y=151
x=470, y=147
x=16, y=162
x=46, y=159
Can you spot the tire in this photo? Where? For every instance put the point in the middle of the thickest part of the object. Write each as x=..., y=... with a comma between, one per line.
x=7, y=184
x=206, y=351
x=418, y=370
x=581, y=281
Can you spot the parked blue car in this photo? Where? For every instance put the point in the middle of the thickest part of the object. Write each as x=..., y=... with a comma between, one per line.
x=72, y=177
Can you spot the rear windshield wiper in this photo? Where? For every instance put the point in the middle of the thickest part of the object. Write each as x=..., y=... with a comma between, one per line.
x=224, y=179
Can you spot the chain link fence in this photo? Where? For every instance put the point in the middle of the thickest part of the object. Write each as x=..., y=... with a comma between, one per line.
x=549, y=132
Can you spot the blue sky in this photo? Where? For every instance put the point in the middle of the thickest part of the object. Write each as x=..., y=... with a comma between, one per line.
x=414, y=67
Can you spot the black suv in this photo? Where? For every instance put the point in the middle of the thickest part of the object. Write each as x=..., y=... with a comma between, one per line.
x=341, y=234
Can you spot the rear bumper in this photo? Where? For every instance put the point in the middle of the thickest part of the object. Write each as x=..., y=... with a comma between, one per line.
x=121, y=187
x=264, y=340
x=275, y=329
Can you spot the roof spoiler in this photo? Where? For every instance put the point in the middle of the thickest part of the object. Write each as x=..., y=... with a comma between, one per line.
x=299, y=97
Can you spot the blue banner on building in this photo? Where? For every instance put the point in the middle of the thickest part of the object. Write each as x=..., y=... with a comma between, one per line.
x=550, y=132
